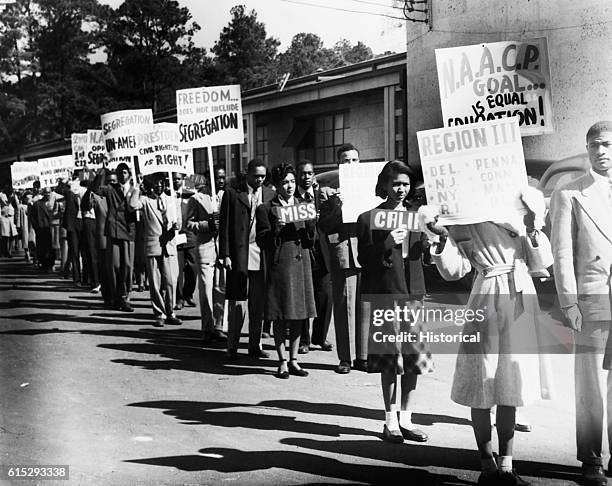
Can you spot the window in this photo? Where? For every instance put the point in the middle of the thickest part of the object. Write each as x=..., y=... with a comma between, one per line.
x=200, y=158
x=261, y=142
x=323, y=137
x=399, y=113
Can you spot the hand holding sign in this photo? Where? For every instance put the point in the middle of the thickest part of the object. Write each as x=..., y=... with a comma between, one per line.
x=397, y=236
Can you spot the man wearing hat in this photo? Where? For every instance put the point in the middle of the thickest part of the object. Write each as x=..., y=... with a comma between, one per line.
x=123, y=201
x=582, y=247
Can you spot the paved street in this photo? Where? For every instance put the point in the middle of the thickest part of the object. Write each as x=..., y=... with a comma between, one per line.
x=124, y=403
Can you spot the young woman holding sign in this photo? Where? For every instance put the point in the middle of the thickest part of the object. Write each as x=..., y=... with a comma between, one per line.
x=287, y=268
x=391, y=278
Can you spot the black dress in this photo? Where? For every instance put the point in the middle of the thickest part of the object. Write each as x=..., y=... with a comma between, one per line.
x=388, y=280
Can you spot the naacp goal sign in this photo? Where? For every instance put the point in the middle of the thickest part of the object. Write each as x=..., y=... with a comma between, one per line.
x=474, y=173
x=209, y=116
x=119, y=130
x=159, y=150
x=54, y=169
x=495, y=81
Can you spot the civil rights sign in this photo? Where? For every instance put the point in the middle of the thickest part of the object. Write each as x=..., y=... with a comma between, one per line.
x=387, y=219
x=23, y=174
x=119, y=130
x=209, y=116
x=95, y=151
x=159, y=150
x=475, y=173
x=296, y=212
x=79, y=143
x=485, y=82
x=53, y=169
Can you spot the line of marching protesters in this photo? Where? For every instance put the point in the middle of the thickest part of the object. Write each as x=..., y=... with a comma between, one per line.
x=112, y=233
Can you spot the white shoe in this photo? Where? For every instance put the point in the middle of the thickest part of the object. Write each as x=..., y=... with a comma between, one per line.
x=96, y=289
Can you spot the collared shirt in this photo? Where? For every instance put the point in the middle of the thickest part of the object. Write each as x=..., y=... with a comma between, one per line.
x=604, y=183
x=303, y=193
x=254, y=250
x=290, y=202
x=125, y=188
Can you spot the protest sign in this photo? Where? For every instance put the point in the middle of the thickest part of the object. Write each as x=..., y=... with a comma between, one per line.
x=296, y=212
x=79, y=147
x=474, y=173
x=95, y=151
x=209, y=116
x=357, y=186
x=23, y=174
x=158, y=150
x=119, y=129
x=53, y=169
x=386, y=219
x=485, y=82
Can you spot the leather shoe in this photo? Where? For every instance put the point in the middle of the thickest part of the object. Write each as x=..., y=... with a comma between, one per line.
x=488, y=479
x=511, y=478
x=158, y=323
x=415, y=435
x=343, y=368
x=296, y=370
x=178, y=305
x=282, y=374
x=327, y=346
x=125, y=307
x=231, y=355
x=173, y=321
x=303, y=349
x=190, y=302
x=360, y=364
x=522, y=427
x=393, y=436
x=593, y=475
x=258, y=353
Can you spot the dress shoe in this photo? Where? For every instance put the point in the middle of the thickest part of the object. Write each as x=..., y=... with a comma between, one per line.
x=360, y=364
x=125, y=307
x=488, y=479
x=511, y=478
x=393, y=436
x=415, y=435
x=159, y=322
x=140, y=288
x=303, y=349
x=231, y=355
x=282, y=374
x=522, y=427
x=190, y=302
x=343, y=368
x=173, y=321
x=178, y=305
x=593, y=475
x=296, y=370
x=265, y=335
x=258, y=353
x=326, y=346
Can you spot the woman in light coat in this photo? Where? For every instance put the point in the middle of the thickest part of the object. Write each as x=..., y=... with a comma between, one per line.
x=504, y=368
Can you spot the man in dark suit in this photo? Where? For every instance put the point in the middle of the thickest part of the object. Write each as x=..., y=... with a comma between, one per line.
x=186, y=252
x=320, y=266
x=345, y=272
x=242, y=258
x=123, y=201
x=42, y=214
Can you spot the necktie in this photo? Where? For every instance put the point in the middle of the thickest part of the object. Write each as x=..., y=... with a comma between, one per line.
x=308, y=196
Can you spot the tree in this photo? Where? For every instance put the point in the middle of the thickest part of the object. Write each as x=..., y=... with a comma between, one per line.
x=306, y=55
x=149, y=45
x=244, y=54
x=350, y=54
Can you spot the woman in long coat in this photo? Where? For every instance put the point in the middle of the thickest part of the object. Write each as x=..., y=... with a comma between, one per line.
x=504, y=368
x=288, y=273
x=8, y=229
x=392, y=276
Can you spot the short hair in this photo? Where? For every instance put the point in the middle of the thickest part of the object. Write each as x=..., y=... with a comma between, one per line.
x=302, y=163
x=345, y=148
x=598, y=128
x=254, y=163
x=174, y=174
x=280, y=171
x=390, y=169
x=122, y=166
x=217, y=167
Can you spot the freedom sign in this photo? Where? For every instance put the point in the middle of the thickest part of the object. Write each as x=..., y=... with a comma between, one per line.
x=95, y=151
x=494, y=81
x=23, y=174
x=119, y=130
x=159, y=150
x=53, y=169
x=209, y=116
x=79, y=144
x=474, y=173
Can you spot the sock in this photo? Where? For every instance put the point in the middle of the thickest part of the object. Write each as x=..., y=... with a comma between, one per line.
x=391, y=420
x=488, y=465
x=505, y=463
x=405, y=419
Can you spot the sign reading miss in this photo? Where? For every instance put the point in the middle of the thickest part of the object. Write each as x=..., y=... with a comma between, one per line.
x=498, y=80
x=475, y=173
x=387, y=219
x=297, y=212
x=209, y=116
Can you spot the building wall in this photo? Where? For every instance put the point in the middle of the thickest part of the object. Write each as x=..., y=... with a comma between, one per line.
x=366, y=119
x=579, y=37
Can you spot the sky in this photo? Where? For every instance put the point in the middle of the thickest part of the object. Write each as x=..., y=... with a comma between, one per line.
x=284, y=19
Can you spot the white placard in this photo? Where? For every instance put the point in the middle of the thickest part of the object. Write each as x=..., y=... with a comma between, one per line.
x=498, y=80
x=209, y=116
x=79, y=149
x=474, y=173
x=53, y=169
x=159, y=150
x=119, y=129
x=95, y=151
x=23, y=174
x=358, y=185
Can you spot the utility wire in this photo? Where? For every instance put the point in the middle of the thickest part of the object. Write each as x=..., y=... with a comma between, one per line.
x=536, y=29
x=378, y=4
x=343, y=9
